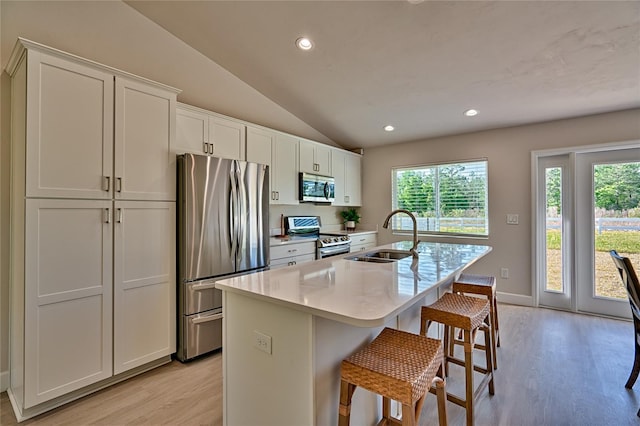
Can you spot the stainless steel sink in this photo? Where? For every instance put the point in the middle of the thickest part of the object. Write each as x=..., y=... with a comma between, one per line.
x=388, y=254
x=380, y=256
x=369, y=259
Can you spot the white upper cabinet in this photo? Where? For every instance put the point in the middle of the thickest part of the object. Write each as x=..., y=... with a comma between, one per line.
x=71, y=112
x=192, y=131
x=315, y=158
x=346, y=171
x=199, y=131
x=284, y=170
x=227, y=138
x=259, y=143
x=144, y=132
x=69, y=116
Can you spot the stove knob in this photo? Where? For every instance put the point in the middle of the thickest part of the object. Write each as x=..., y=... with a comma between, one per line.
x=326, y=240
x=345, y=238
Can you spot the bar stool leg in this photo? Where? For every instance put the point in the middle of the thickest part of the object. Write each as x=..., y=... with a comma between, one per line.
x=495, y=320
x=494, y=327
x=488, y=329
x=346, y=393
x=441, y=396
x=468, y=368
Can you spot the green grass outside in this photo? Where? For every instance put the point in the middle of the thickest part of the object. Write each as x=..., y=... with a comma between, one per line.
x=621, y=241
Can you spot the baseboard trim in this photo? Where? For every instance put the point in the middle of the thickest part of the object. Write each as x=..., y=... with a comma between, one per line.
x=515, y=299
x=28, y=413
x=4, y=381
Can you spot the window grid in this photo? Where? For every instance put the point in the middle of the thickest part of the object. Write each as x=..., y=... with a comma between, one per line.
x=450, y=199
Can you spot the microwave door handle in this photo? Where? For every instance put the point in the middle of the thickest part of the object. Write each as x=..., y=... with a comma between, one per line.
x=326, y=190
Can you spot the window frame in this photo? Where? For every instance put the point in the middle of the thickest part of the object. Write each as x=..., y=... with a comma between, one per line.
x=394, y=199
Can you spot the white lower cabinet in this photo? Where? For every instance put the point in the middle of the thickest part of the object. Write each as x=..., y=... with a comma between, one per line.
x=67, y=297
x=99, y=292
x=144, y=307
x=363, y=242
x=292, y=254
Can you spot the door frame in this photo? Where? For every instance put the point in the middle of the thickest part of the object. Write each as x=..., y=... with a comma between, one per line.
x=537, y=247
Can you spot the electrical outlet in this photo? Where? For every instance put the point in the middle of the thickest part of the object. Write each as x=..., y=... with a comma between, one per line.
x=262, y=341
x=504, y=273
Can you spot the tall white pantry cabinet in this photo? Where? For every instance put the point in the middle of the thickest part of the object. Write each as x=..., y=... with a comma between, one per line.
x=92, y=227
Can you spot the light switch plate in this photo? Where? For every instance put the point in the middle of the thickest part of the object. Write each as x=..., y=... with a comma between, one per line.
x=512, y=219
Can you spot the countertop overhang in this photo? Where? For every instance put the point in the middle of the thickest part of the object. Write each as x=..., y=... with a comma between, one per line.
x=362, y=294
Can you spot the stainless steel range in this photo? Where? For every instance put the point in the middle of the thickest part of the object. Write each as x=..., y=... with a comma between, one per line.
x=309, y=227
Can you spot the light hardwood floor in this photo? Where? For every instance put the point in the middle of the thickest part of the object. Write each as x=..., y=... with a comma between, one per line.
x=554, y=368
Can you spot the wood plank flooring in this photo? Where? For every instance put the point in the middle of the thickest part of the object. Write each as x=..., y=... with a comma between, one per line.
x=554, y=368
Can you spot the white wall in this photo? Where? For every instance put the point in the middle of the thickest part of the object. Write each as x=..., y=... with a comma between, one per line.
x=509, y=153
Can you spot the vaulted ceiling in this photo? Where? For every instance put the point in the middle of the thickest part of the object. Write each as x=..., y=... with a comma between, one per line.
x=419, y=65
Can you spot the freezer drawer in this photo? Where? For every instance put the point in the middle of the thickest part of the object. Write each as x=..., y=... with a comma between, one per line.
x=200, y=296
x=202, y=334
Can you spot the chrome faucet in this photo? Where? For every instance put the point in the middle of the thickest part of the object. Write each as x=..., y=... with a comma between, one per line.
x=414, y=249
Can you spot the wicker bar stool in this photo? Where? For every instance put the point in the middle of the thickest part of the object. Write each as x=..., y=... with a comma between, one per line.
x=483, y=285
x=400, y=366
x=468, y=314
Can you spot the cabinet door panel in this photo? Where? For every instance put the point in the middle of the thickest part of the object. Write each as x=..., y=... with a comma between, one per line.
x=284, y=170
x=259, y=144
x=144, y=283
x=145, y=129
x=227, y=137
x=70, y=129
x=323, y=159
x=338, y=162
x=192, y=132
x=68, y=296
x=353, y=179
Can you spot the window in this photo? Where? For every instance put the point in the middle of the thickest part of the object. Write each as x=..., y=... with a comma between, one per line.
x=445, y=198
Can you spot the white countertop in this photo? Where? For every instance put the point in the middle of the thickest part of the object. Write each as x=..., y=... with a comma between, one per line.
x=363, y=294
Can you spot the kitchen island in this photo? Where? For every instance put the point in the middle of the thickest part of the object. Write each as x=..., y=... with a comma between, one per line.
x=287, y=330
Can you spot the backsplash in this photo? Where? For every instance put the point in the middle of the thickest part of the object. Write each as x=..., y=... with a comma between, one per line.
x=329, y=215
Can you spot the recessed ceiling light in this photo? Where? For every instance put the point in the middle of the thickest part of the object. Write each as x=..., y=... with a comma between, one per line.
x=471, y=112
x=304, y=43
x=389, y=128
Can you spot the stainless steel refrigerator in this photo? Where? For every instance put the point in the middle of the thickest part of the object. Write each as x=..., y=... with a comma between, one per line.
x=223, y=215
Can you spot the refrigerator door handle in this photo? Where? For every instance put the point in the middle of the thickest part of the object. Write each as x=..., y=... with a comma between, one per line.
x=242, y=218
x=233, y=211
x=204, y=286
x=201, y=319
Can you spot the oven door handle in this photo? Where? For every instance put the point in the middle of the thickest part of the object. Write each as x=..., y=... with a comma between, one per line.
x=328, y=251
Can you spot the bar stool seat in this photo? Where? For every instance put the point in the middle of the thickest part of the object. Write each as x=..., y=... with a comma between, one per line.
x=483, y=285
x=400, y=366
x=470, y=314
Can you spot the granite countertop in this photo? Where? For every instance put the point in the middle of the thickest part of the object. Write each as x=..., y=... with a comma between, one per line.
x=363, y=294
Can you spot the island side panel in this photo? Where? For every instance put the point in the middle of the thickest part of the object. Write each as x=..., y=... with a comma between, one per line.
x=334, y=341
x=261, y=388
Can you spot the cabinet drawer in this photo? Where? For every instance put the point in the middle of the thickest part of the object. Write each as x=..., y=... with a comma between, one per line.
x=289, y=250
x=292, y=260
x=363, y=239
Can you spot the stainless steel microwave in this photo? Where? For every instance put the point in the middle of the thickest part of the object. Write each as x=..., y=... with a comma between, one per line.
x=316, y=188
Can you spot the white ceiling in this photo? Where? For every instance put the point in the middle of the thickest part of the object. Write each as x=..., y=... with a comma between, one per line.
x=419, y=66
